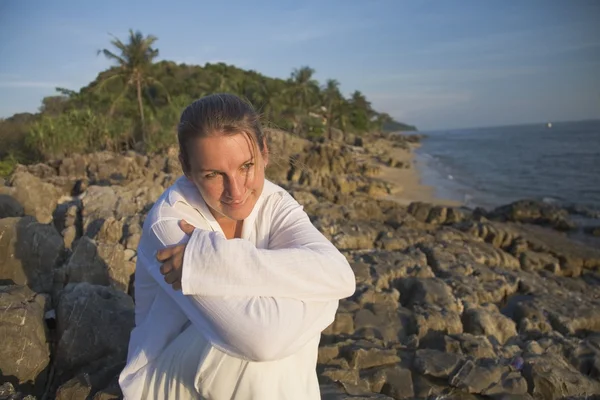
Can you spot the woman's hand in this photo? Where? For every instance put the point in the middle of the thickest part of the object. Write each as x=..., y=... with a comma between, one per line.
x=172, y=258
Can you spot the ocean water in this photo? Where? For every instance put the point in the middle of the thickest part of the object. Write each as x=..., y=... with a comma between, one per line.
x=489, y=167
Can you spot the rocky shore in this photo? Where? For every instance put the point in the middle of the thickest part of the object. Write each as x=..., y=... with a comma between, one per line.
x=450, y=303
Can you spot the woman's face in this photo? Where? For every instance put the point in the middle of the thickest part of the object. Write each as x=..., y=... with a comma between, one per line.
x=229, y=173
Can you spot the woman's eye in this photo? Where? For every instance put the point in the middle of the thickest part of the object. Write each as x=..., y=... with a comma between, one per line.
x=247, y=166
x=211, y=175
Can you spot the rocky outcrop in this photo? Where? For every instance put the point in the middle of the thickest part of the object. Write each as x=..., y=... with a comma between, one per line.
x=534, y=212
x=449, y=303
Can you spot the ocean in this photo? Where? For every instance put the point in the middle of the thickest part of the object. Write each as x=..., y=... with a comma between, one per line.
x=489, y=167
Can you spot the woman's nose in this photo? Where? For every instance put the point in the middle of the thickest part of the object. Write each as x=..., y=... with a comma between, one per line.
x=234, y=188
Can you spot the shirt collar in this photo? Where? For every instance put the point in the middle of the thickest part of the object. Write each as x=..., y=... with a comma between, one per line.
x=184, y=190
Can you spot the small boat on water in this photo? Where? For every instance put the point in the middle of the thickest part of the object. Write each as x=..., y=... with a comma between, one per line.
x=549, y=125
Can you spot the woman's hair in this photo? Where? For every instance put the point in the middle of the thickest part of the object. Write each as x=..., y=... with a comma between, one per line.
x=218, y=114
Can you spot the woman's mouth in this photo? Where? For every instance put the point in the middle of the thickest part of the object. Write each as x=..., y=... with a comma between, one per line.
x=234, y=204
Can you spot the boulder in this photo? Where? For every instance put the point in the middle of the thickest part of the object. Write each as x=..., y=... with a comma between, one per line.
x=99, y=263
x=92, y=322
x=38, y=198
x=10, y=207
x=490, y=322
x=29, y=252
x=25, y=353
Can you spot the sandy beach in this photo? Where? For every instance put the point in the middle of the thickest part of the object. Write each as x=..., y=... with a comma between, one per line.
x=407, y=183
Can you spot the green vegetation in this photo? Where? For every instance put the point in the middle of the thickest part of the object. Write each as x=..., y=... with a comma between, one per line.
x=136, y=105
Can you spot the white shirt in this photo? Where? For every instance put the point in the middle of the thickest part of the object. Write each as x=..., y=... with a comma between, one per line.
x=261, y=301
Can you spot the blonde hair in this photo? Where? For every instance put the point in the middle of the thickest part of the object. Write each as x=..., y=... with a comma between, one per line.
x=218, y=114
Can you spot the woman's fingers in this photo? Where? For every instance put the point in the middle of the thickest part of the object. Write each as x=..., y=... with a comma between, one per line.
x=164, y=254
x=186, y=227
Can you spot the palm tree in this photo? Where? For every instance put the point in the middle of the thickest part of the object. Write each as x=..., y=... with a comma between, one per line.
x=332, y=98
x=134, y=60
x=305, y=87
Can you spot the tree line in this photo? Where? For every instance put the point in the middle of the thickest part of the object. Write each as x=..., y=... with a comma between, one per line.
x=136, y=105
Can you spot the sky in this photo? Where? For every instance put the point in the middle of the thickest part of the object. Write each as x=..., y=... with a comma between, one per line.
x=434, y=64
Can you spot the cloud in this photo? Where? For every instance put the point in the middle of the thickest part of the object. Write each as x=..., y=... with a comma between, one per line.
x=32, y=84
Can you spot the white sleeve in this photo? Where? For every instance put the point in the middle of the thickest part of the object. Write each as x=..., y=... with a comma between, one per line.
x=300, y=262
x=250, y=328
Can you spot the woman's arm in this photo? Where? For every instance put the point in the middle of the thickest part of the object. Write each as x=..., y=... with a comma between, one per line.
x=300, y=262
x=253, y=328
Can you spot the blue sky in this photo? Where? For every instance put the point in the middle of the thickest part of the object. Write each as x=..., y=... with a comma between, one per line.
x=436, y=64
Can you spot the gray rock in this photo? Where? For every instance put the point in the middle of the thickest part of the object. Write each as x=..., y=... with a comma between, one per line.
x=432, y=319
x=362, y=358
x=24, y=353
x=343, y=324
x=337, y=392
x=488, y=321
x=551, y=377
x=100, y=264
x=428, y=292
x=435, y=363
x=38, y=198
x=534, y=212
x=29, y=251
x=92, y=321
x=487, y=377
x=79, y=387
x=8, y=392
x=398, y=383
x=475, y=346
x=10, y=207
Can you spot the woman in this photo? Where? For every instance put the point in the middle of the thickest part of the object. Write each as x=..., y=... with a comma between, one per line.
x=249, y=283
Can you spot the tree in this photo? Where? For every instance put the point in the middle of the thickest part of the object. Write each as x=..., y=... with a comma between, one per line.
x=305, y=87
x=332, y=99
x=134, y=61
x=362, y=112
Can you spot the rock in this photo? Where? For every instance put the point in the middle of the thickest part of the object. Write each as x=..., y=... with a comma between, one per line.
x=593, y=230
x=398, y=383
x=99, y=264
x=388, y=267
x=342, y=325
x=100, y=203
x=10, y=207
x=488, y=321
x=356, y=235
x=550, y=377
x=533, y=212
x=487, y=377
x=29, y=251
x=566, y=312
x=383, y=322
x=337, y=392
x=92, y=321
x=432, y=214
x=435, y=320
x=586, y=356
x=111, y=230
x=428, y=292
x=8, y=392
x=362, y=358
x=69, y=235
x=435, y=363
x=24, y=353
x=39, y=199
x=475, y=346
x=80, y=387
